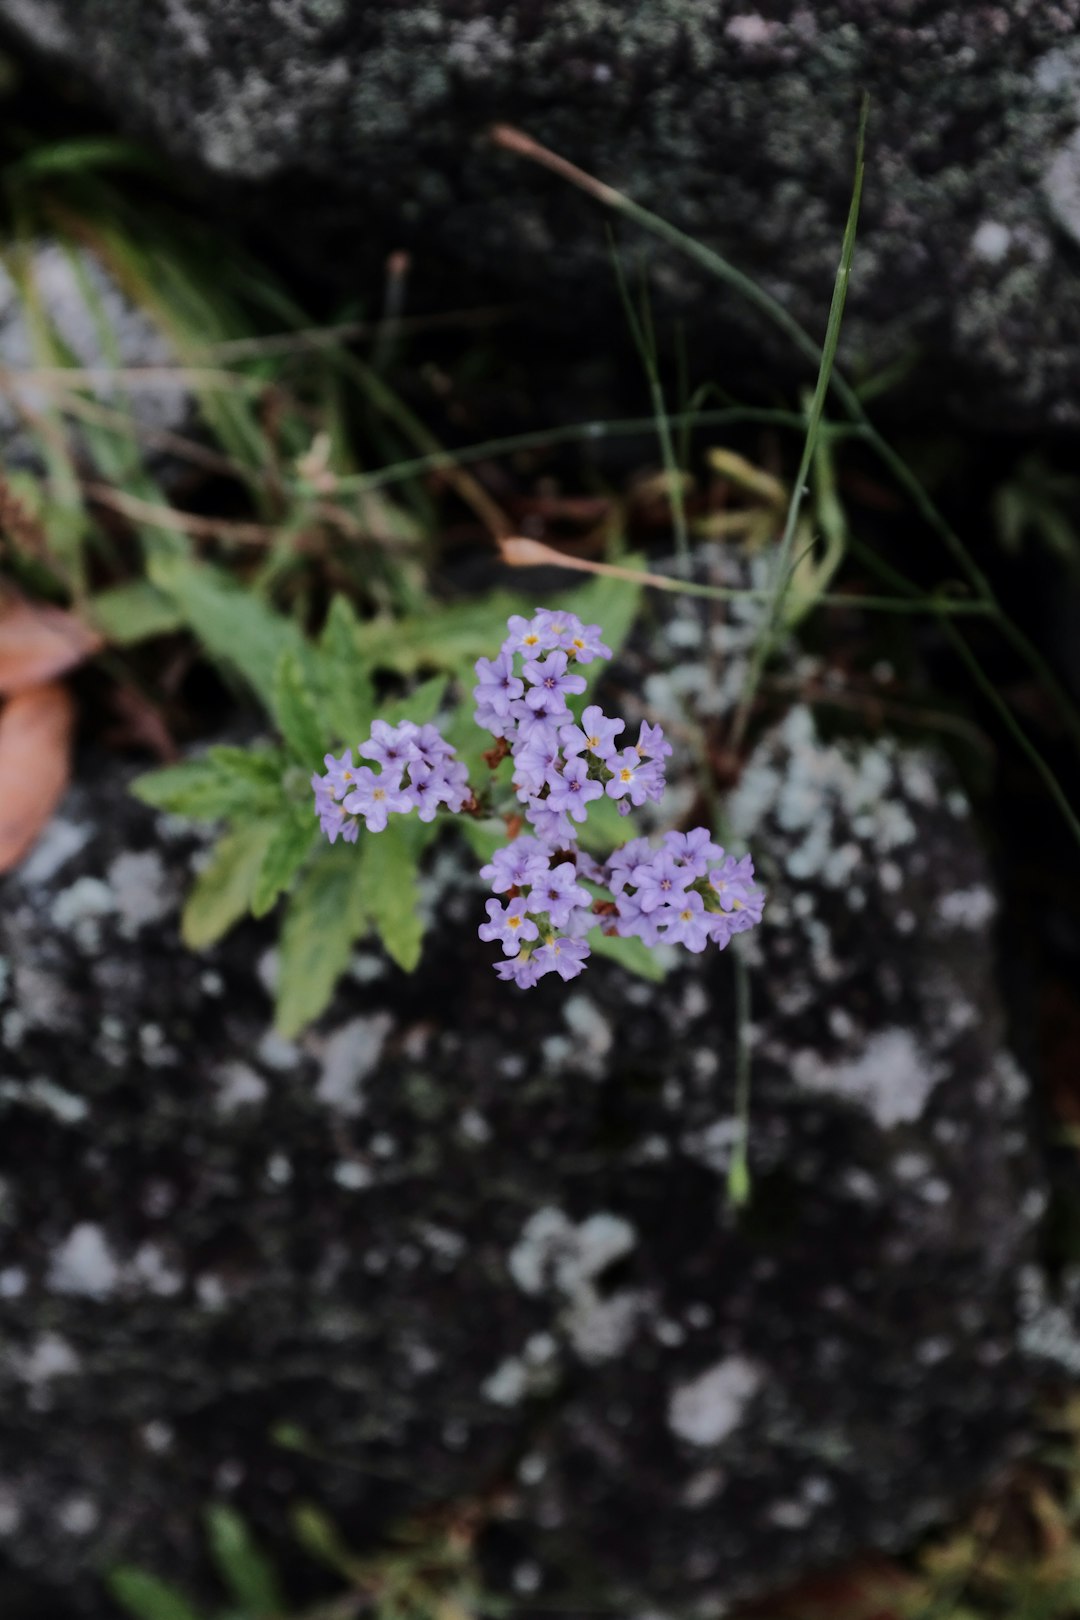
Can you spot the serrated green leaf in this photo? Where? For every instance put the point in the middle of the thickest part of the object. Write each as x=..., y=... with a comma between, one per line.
x=419, y=706
x=295, y=711
x=232, y=623
x=224, y=782
x=632, y=954
x=390, y=862
x=285, y=855
x=245, y=1570
x=347, y=705
x=325, y=915
x=223, y=889
x=135, y=612
x=147, y=1598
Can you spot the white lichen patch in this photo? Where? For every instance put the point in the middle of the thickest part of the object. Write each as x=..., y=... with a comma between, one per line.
x=712, y=1406
x=141, y=889
x=892, y=1077
x=238, y=1086
x=84, y=1264
x=967, y=908
x=78, y=911
x=49, y=1357
x=350, y=1056
x=587, y=1023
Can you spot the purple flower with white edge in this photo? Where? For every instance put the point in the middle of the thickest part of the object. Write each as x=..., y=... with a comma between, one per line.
x=523, y=970
x=651, y=743
x=558, y=893
x=694, y=848
x=686, y=923
x=376, y=798
x=550, y=684
x=572, y=791
x=595, y=735
x=498, y=687
x=508, y=924
x=659, y=881
x=517, y=865
x=392, y=747
x=566, y=957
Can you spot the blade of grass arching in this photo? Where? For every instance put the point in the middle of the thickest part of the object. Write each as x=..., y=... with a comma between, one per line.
x=577, y=433
x=739, y=1169
x=641, y=330
x=764, y=642
x=716, y=265
x=1013, y=726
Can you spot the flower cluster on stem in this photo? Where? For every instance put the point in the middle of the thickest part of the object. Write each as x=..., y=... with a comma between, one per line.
x=548, y=893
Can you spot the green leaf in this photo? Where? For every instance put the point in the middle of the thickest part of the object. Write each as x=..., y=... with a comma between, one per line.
x=484, y=837
x=604, y=829
x=126, y=614
x=232, y=623
x=224, y=887
x=286, y=853
x=224, y=782
x=85, y=153
x=632, y=954
x=325, y=916
x=320, y=1537
x=389, y=862
x=246, y=1572
x=419, y=706
x=347, y=707
x=147, y=1598
x=295, y=712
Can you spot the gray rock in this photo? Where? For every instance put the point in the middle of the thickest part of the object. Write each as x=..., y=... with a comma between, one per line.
x=80, y=302
x=478, y=1241
x=735, y=121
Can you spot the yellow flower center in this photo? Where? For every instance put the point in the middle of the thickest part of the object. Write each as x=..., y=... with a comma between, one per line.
x=379, y=793
x=626, y=774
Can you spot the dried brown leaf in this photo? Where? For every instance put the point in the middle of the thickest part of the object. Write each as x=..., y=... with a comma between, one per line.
x=37, y=643
x=35, y=765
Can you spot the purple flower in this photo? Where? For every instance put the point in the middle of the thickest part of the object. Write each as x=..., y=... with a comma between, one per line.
x=376, y=797
x=333, y=819
x=498, y=686
x=537, y=761
x=632, y=922
x=523, y=970
x=552, y=828
x=585, y=644
x=659, y=881
x=557, y=629
x=431, y=745
x=433, y=785
x=596, y=734
x=340, y=773
x=651, y=743
x=558, y=894
x=392, y=747
x=733, y=884
x=508, y=924
x=634, y=777
x=622, y=862
x=517, y=865
x=572, y=791
x=550, y=684
x=695, y=849
x=686, y=922
x=523, y=636
x=566, y=957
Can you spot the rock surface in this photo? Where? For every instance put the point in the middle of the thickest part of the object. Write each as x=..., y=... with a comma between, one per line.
x=734, y=119
x=471, y=1239
x=79, y=302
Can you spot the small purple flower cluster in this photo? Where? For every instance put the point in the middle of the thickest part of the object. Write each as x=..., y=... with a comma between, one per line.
x=686, y=892
x=418, y=771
